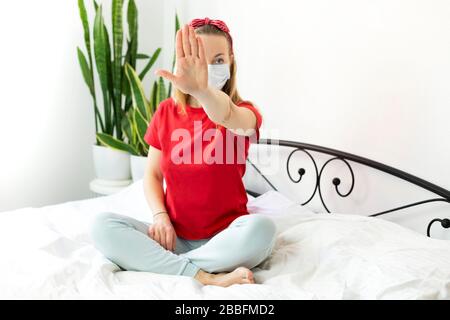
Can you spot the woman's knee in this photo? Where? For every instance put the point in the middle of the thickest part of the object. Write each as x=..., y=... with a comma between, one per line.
x=257, y=236
x=259, y=232
x=100, y=226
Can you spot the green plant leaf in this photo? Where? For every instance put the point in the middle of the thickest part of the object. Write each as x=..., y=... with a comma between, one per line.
x=85, y=22
x=137, y=92
x=85, y=70
x=150, y=63
x=126, y=128
x=101, y=50
x=153, y=97
x=130, y=118
x=132, y=55
x=161, y=95
x=142, y=56
x=89, y=77
x=177, y=27
x=117, y=36
x=109, y=77
x=132, y=18
x=109, y=141
x=125, y=84
x=141, y=126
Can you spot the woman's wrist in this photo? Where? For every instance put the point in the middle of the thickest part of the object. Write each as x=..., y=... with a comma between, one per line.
x=202, y=94
x=213, y=97
x=162, y=212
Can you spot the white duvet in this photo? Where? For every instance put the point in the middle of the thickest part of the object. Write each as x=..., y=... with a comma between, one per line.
x=46, y=253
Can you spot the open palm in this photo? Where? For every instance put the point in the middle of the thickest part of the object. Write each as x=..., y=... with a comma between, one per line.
x=191, y=75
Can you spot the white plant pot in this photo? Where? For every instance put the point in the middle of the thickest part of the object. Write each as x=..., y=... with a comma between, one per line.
x=138, y=164
x=111, y=164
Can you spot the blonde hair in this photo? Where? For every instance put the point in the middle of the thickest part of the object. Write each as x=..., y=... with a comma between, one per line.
x=229, y=88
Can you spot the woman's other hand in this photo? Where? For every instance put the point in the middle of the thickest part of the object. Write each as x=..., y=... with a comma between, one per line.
x=192, y=69
x=162, y=231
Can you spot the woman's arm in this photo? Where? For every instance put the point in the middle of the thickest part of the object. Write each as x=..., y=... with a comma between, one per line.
x=161, y=230
x=221, y=110
x=153, y=181
x=192, y=78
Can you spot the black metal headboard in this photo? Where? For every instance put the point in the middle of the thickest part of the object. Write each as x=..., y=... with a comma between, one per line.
x=443, y=194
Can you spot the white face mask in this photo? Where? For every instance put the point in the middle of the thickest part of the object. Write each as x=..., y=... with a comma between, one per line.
x=218, y=74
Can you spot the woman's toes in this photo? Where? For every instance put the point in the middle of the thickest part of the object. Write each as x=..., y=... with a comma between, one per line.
x=240, y=275
x=245, y=274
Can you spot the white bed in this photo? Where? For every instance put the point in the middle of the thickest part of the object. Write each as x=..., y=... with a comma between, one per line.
x=47, y=254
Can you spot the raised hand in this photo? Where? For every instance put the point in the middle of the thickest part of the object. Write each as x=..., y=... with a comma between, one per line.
x=191, y=75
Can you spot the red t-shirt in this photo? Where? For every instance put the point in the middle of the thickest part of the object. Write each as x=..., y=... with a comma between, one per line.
x=202, y=167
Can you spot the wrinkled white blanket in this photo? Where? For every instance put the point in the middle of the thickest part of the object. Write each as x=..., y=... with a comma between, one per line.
x=46, y=253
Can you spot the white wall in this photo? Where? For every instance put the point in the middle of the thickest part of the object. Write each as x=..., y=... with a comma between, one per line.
x=47, y=121
x=367, y=77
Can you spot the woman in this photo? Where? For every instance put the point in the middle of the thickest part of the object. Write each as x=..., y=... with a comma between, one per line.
x=198, y=143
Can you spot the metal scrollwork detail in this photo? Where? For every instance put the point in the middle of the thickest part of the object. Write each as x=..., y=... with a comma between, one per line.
x=301, y=172
x=318, y=175
x=336, y=181
x=444, y=194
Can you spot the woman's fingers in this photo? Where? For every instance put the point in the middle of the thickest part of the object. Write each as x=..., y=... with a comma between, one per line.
x=193, y=42
x=179, y=44
x=201, y=49
x=174, y=241
x=167, y=75
x=169, y=239
x=186, y=45
x=161, y=238
x=156, y=235
x=150, y=231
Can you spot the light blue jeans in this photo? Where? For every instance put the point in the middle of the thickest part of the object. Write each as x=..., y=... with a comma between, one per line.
x=247, y=242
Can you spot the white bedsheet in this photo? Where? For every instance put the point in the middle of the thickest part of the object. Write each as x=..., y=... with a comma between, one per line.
x=46, y=253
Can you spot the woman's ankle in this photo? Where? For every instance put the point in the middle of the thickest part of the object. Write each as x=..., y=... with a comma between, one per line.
x=204, y=277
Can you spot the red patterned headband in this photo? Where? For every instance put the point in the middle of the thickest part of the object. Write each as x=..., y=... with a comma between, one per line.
x=196, y=23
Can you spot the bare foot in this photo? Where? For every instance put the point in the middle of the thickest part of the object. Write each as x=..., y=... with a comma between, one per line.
x=240, y=275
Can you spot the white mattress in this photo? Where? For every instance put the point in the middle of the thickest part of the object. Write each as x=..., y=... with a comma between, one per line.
x=46, y=253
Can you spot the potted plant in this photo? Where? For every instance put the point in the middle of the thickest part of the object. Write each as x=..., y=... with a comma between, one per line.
x=111, y=153
x=139, y=116
x=138, y=119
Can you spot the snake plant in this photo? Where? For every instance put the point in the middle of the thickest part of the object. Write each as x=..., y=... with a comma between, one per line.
x=110, y=63
x=138, y=117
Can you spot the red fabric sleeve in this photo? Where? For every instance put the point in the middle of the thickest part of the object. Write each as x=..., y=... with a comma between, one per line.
x=257, y=114
x=151, y=135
